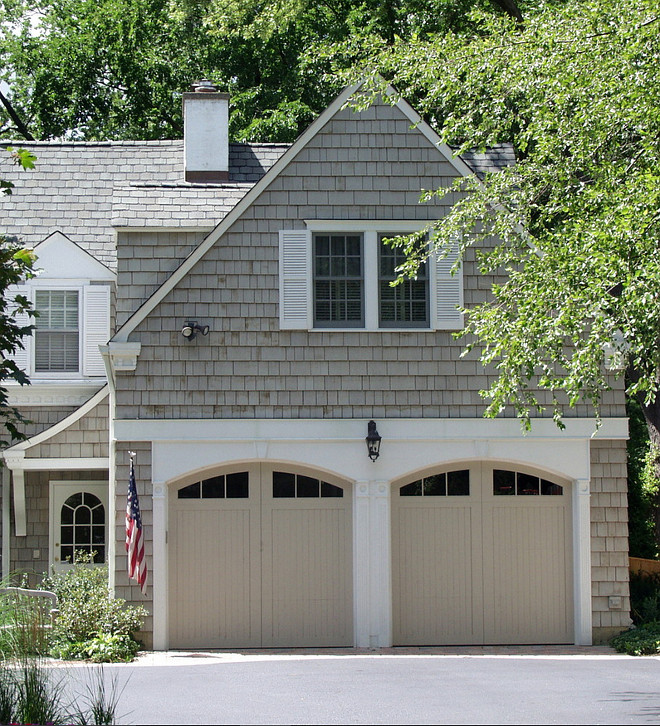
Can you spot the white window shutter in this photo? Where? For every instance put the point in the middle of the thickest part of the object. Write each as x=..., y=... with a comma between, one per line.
x=96, y=327
x=448, y=293
x=295, y=279
x=22, y=356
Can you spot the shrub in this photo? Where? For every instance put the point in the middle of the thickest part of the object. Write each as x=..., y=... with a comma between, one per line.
x=643, y=640
x=644, y=597
x=91, y=624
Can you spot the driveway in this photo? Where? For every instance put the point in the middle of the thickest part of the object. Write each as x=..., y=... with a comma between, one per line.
x=402, y=686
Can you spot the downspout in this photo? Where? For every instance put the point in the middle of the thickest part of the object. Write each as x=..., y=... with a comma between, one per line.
x=6, y=534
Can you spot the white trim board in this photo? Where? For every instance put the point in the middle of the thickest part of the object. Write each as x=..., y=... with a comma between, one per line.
x=399, y=429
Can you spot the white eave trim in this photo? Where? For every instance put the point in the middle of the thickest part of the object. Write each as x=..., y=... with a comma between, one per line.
x=66, y=463
x=53, y=393
x=122, y=355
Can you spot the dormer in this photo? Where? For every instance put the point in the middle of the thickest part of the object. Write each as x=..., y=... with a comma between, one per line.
x=72, y=294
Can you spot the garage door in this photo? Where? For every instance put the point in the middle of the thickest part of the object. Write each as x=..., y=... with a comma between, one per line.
x=482, y=554
x=260, y=556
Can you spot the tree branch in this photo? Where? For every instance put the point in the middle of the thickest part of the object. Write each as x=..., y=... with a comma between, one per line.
x=20, y=126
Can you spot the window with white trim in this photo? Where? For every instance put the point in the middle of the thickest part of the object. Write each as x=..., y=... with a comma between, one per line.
x=338, y=281
x=57, y=331
x=72, y=323
x=405, y=304
x=337, y=275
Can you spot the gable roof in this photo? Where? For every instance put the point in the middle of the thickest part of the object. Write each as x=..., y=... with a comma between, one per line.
x=461, y=167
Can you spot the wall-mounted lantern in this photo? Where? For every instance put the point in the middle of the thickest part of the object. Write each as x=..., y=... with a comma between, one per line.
x=373, y=441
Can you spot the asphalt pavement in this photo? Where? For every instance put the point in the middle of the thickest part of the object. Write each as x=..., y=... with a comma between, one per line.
x=395, y=686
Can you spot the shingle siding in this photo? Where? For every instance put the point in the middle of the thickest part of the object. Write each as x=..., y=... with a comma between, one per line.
x=609, y=537
x=86, y=437
x=362, y=169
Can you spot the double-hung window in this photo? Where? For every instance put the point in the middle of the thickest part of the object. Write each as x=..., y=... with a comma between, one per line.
x=339, y=275
x=57, y=331
x=338, y=281
x=407, y=303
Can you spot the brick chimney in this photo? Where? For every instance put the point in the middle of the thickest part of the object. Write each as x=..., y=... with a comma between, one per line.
x=206, y=134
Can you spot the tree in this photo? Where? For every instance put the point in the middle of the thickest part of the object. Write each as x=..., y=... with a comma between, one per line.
x=16, y=264
x=576, y=90
x=113, y=69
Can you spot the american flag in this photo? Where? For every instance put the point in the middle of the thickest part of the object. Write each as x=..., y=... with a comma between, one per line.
x=137, y=565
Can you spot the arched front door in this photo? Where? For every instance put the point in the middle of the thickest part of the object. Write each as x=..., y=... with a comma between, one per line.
x=482, y=554
x=260, y=556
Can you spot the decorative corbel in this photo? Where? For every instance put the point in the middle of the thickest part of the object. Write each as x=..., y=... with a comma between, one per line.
x=123, y=356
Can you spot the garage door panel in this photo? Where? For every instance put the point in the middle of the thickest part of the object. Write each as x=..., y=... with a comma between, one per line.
x=526, y=566
x=307, y=594
x=214, y=548
x=253, y=570
x=484, y=568
x=433, y=576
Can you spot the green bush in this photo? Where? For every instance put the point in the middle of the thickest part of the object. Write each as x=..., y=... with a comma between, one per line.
x=23, y=625
x=91, y=624
x=643, y=640
x=644, y=597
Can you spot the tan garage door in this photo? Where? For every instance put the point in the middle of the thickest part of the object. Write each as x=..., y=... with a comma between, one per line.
x=482, y=554
x=260, y=556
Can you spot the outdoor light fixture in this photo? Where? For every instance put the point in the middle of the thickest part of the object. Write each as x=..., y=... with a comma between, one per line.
x=373, y=441
x=192, y=327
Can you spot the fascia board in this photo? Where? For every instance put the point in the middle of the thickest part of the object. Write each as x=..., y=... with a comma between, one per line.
x=416, y=120
x=159, y=295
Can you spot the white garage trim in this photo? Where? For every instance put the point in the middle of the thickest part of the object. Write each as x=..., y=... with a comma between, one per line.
x=408, y=446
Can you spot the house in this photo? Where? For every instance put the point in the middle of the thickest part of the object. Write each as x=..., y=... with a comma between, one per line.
x=266, y=521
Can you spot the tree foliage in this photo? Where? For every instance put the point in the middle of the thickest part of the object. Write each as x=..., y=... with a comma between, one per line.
x=16, y=264
x=114, y=69
x=576, y=90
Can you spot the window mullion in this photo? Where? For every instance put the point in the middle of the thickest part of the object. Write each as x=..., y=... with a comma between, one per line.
x=371, y=279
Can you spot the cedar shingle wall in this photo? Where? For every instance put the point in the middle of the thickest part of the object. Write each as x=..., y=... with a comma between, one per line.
x=144, y=261
x=609, y=537
x=87, y=437
x=41, y=418
x=246, y=367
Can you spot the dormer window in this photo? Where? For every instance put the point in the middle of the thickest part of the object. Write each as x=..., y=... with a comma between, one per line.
x=57, y=331
x=71, y=294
